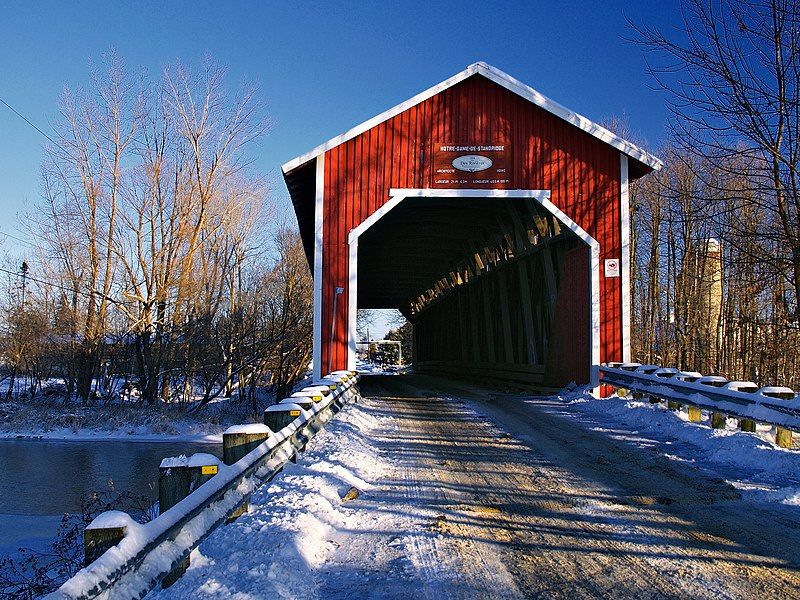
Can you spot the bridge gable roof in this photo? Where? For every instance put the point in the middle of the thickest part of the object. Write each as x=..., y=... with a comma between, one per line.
x=647, y=160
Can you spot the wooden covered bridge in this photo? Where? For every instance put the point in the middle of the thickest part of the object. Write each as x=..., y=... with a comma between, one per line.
x=493, y=218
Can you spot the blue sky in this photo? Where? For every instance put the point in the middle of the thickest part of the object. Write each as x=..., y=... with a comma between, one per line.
x=322, y=67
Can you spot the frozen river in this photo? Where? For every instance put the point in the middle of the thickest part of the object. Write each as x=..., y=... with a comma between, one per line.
x=42, y=479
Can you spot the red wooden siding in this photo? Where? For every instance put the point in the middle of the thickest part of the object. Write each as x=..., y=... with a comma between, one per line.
x=569, y=345
x=582, y=172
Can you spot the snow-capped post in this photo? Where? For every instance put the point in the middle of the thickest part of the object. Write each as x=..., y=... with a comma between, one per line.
x=237, y=442
x=278, y=416
x=783, y=436
x=718, y=420
x=104, y=532
x=178, y=477
x=747, y=387
x=304, y=402
x=314, y=395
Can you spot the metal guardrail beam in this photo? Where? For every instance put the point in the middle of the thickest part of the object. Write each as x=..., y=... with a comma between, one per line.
x=133, y=567
x=760, y=405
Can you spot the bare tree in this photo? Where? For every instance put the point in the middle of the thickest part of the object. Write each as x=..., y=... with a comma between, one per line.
x=83, y=177
x=734, y=86
x=151, y=224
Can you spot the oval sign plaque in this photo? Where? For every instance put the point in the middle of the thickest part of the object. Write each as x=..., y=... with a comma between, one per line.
x=472, y=163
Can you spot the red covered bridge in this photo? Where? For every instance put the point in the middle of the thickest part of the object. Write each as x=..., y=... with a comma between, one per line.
x=493, y=218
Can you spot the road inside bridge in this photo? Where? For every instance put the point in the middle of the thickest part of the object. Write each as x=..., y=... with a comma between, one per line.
x=514, y=500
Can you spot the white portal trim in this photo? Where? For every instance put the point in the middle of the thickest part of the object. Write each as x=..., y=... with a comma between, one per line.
x=625, y=238
x=319, y=215
x=594, y=308
x=352, y=305
x=504, y=80
x=393, y=201
x=397, y=195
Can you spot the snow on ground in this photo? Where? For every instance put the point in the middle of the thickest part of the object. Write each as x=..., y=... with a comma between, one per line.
x=749, y=461
x=297, y=521
x=46, y=419
x=26, y=531
x=366, y=367
x=303, y=539
x=108, y=424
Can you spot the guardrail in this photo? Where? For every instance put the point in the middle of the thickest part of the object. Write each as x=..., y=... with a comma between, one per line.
x=143, y=555
x=744, y=400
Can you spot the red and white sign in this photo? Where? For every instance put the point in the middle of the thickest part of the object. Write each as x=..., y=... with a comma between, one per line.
x=472, y=166
x=612, y=267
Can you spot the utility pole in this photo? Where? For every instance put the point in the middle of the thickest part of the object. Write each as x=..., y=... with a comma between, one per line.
x=24, y=271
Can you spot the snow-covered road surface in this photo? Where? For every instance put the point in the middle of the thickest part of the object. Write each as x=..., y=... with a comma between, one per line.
x=467, y=494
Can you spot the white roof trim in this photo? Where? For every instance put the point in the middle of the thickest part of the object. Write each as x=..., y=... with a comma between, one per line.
x=510, y=84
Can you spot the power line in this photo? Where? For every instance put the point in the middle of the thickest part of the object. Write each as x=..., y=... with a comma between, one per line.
x=29, y=122
x=24, y=118
x=63, y=287
x=13, y=237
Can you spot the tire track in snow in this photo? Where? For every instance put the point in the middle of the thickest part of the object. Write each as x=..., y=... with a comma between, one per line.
x=450, y=560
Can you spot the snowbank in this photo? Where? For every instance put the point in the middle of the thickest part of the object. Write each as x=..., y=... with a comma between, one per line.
x=297, y=520
x=750, y=461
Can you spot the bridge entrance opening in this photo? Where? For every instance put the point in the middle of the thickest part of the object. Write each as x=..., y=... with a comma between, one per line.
x=494, y=284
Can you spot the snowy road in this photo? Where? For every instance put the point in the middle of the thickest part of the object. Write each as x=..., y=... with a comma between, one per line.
x=468, y=494
x=556, y=510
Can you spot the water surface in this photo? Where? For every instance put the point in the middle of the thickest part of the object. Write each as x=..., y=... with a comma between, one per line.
x=42, y=479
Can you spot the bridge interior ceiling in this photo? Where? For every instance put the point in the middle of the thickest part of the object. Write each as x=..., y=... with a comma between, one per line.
x=426, y=249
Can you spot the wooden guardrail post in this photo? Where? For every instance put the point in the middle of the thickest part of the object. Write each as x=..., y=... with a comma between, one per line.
x=304, y=402
x=97, y=540
x=105, y=531
x=718, y=420
x=178, y=477
x=744, y=387
x=695, y=414
x=748, y=425
x=783, y=437
x=237, y=442
x=278, y=416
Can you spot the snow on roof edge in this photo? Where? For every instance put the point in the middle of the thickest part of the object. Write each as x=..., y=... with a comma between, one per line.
x=505, y=80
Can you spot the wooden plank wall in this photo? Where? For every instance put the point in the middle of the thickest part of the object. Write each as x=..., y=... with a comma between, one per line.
x=569, y=345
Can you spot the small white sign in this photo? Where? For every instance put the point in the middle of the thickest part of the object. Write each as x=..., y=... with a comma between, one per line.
x=472, y=163
x=612, y=267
